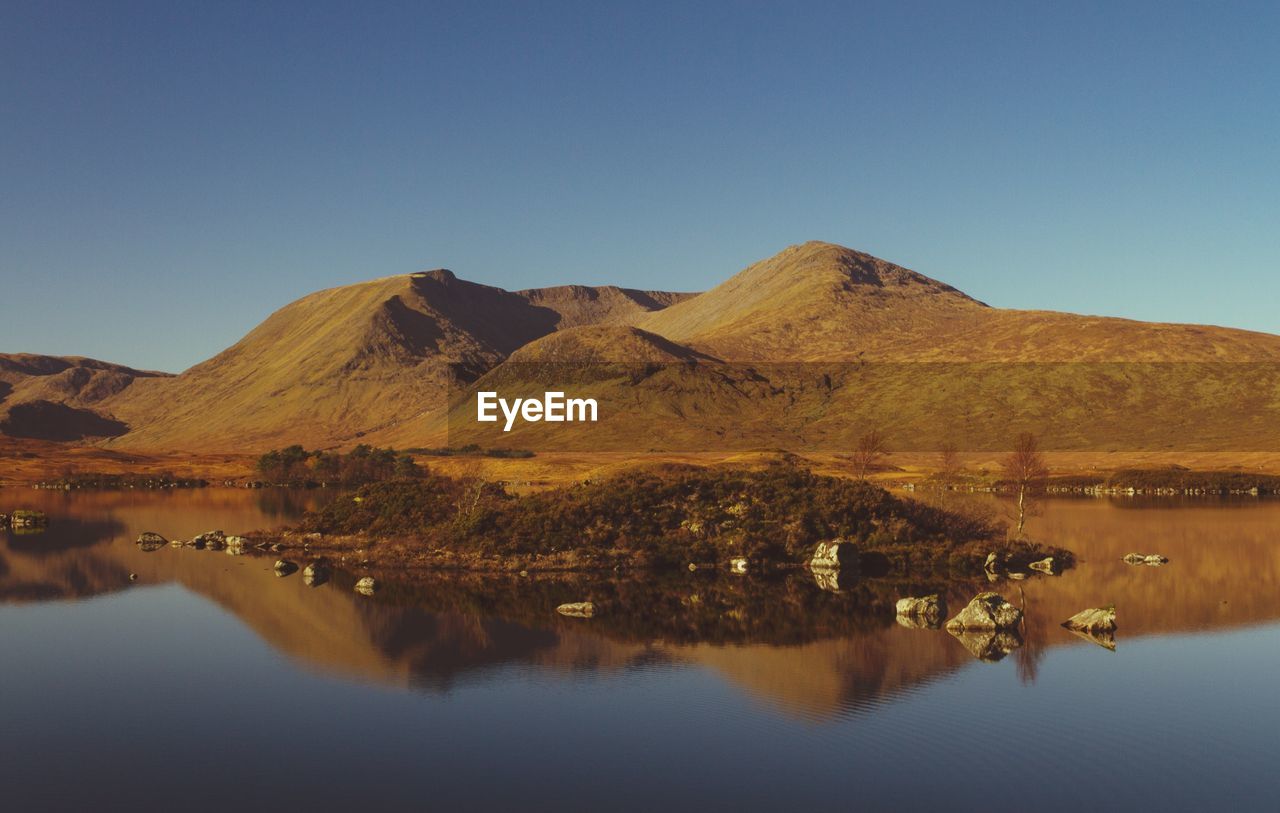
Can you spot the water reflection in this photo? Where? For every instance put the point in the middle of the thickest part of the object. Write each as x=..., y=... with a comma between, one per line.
x=789, y=641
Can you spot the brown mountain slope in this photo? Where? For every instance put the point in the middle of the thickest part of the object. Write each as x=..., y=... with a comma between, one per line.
x=57, y=398
x=819, y=301
x=374, y=362
x=371, y=361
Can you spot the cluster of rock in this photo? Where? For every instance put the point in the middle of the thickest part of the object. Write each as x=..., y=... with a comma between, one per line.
x=1149, y=559
x=1003, y=564
x=314, y=575
x=1158, y=491
x=150, y=541
x=24, y=518
x=988, y=626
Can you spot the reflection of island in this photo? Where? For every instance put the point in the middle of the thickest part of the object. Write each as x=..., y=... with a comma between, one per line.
x=784, y=640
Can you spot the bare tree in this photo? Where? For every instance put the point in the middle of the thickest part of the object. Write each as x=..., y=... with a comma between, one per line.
x=1026, y=469
x=871, y=448
x=473, y=488
x=949, y=467
x=949, y=464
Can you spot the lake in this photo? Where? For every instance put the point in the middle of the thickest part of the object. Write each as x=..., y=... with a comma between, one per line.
x=209, y=681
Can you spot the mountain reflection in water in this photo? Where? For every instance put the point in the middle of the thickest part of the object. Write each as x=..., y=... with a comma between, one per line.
x=788, y=643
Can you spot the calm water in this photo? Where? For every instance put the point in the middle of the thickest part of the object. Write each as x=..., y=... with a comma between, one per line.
x=210, y=682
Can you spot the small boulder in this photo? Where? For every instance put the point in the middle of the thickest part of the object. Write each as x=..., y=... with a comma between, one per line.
x=315, y=574
x=834, y=555
x=1045, y=565
x=28, y=518
x=1152, y=559
x=924, y=611
x=1098, y=619
x=235, y=545
x=738, y=565
x=987, y=611
x=150, y=541
x=577, y=609
x=285, y=568
x=366, y=585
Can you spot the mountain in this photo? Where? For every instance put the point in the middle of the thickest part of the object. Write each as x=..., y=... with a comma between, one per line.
x=381, y=361
x=372, y=361
x=823, y=302
x=55, y=397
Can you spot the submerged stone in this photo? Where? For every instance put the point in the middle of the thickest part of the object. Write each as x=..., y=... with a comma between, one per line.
x=366, y=586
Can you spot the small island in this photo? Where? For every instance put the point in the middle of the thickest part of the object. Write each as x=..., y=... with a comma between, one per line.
x=655, y=517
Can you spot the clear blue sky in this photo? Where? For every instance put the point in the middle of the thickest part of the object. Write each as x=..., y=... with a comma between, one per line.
x=172, y=172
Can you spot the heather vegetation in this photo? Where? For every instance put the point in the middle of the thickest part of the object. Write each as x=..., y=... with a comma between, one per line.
x=668, y=515
x=295, y=465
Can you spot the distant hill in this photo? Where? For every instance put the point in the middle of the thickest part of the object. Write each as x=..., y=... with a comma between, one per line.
x=371, y=361
x=378, y=361
x=58, y=397
x=822, y=302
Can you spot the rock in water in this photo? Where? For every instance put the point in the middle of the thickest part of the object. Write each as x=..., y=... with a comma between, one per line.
x=988, y=645
x=28, y=518
x=209, y=539
x=738, y=565
x=577, y=609
x=987, y=611
x=925, y=611
x=827, y=579
x=1098, y=619
x=834, y=555
x=315, y=574
x=1106, y=640
x=235, y=545
x=1045, y=565
x=1152, y=559
x=284, y=567
x=150, y=541
x=366, y=586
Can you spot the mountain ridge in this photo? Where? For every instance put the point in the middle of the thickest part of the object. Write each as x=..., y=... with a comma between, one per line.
x=378, y=361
